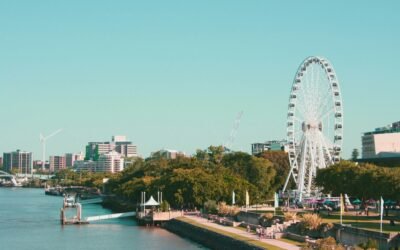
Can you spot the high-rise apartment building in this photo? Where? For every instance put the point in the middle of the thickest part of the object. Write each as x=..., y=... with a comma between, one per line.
x=19, y=161
x=57, y=163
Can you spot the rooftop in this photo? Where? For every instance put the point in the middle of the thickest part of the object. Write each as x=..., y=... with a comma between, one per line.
x=391, y=128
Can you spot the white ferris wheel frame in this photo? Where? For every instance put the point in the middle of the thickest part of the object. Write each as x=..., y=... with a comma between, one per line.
x=313, y=150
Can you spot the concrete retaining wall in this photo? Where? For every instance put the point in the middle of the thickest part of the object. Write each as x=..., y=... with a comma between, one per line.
x=206, y=237
x=354, y=236
x=249, y=217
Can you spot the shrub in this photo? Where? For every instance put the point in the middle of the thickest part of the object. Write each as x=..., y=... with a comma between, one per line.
x=211, y=207
x=329, y=244
x=289, y=216
x=311, y=221
x=227, y=210
x=369, y=245
x=268, y=216
x=164, y=206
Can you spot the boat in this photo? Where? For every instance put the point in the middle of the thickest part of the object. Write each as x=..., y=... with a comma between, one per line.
x=56, y=191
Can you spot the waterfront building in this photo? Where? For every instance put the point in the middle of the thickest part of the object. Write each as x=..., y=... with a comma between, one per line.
x=382, y=142
x=111, y=162
x=274, y=145
x=70, y=158
x=168, y=154
x=19, y=161
x=57, y=163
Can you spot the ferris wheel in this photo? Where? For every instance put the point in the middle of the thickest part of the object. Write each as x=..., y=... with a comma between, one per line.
x=314, y=123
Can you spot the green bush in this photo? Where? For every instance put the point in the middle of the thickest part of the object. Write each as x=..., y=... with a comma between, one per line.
x=369, y=245
x=164, y=206
x=211, y=207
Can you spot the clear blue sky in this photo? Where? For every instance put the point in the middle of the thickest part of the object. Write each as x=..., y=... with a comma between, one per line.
x=174, y=74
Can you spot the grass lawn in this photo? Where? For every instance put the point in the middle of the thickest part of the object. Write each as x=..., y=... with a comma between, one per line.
x=371, y=222
x=232, y=235
x=294, y=242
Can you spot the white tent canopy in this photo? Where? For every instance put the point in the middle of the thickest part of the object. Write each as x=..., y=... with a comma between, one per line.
x=151, y=202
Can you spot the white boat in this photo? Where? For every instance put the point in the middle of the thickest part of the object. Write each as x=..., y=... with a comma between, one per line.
x=69, y=201
x=15, y=183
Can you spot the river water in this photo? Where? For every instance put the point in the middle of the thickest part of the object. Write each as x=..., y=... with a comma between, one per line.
x=29, y=219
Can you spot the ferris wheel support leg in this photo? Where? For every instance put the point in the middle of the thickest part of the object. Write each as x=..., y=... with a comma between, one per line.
x=287, y=179
x=302, y=169
x=311, y=170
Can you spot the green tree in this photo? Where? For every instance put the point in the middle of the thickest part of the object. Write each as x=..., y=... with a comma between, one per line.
x=280, y=162
x=354, y=154
x=257, y=171
x=360, y=180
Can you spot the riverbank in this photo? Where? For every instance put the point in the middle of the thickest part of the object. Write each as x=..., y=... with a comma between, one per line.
x=221, y=237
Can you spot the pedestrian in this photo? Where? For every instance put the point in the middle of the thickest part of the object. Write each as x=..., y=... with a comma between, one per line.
x=248, y=228
x=258, y=232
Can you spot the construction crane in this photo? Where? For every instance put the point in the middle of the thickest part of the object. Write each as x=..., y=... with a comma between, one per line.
x=228, y=145
x=43, y=140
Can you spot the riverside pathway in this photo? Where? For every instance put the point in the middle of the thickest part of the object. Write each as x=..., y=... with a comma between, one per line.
x=242, y=233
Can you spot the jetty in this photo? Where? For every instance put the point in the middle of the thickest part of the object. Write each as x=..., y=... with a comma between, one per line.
x=148, y=215
x=69, y=203
x=151, y=218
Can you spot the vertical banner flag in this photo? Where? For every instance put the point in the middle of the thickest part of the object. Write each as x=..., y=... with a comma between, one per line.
x=276, y=202
x=341, y=208
x=233, y=198
x=247, y=199
x=381, y=205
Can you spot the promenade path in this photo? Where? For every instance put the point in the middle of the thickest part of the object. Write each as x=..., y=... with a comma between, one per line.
x=243, y=233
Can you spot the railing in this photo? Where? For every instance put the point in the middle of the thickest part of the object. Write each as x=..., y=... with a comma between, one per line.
x=110, y=216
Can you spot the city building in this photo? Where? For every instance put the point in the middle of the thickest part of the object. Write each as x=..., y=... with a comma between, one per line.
x=18, y=161
x=1, y=161
x=85, y=166
x=111, y=162
x=57, y=163
x=70, y=158
x=275, y=145
x=168, y=154
x=382, y=142
x=124, y=147
x=95, y=149
x=37, y=164
x=118, y=143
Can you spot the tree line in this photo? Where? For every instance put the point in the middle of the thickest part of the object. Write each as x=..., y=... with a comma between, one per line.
x=362, y=180
x=210, y=174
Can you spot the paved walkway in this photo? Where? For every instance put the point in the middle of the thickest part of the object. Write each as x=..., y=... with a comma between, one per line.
x=242, y=233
